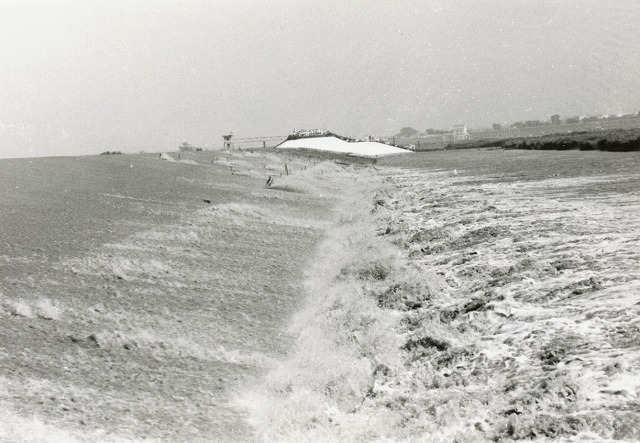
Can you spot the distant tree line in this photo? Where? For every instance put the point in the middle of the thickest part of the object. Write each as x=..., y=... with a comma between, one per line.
x=408, y=131
x=619, y=140
x=111, y=153
x=557, y=120
x=616, y=142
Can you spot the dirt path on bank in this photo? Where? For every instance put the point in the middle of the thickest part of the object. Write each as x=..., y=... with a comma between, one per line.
x=139, y=317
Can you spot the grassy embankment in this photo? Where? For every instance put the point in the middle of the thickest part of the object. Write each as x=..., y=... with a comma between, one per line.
x=137, y=293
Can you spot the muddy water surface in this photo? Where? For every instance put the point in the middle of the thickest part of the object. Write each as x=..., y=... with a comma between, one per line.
x=538, y=321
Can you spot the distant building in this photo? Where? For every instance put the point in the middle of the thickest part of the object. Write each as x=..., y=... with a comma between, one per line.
x=226, y=144
x=459, y=133
x=186, y=147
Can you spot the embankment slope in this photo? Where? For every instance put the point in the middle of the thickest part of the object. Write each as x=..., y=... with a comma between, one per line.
x=137, y=293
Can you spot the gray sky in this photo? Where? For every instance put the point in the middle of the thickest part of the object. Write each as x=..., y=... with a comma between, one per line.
x=82, y=77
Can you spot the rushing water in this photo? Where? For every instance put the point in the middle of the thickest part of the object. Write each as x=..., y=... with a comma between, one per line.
x=506, y=284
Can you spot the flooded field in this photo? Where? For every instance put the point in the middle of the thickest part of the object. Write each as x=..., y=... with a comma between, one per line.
x=477, y=296
x=535, y=333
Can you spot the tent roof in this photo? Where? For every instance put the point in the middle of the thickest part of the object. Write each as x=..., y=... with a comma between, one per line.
x=334, y=144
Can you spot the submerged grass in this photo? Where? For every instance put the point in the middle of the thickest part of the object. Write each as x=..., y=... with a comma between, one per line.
x=440, y=310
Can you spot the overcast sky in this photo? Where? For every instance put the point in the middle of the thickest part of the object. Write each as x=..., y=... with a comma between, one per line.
x=82, y=77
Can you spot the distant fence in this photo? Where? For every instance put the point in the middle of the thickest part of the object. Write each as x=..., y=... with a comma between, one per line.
x=257, y=142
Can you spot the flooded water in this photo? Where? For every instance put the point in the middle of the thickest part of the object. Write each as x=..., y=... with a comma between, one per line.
x=471, y=296
x=539, y=252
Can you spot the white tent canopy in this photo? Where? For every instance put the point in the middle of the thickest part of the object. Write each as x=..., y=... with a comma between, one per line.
x=334, y=144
